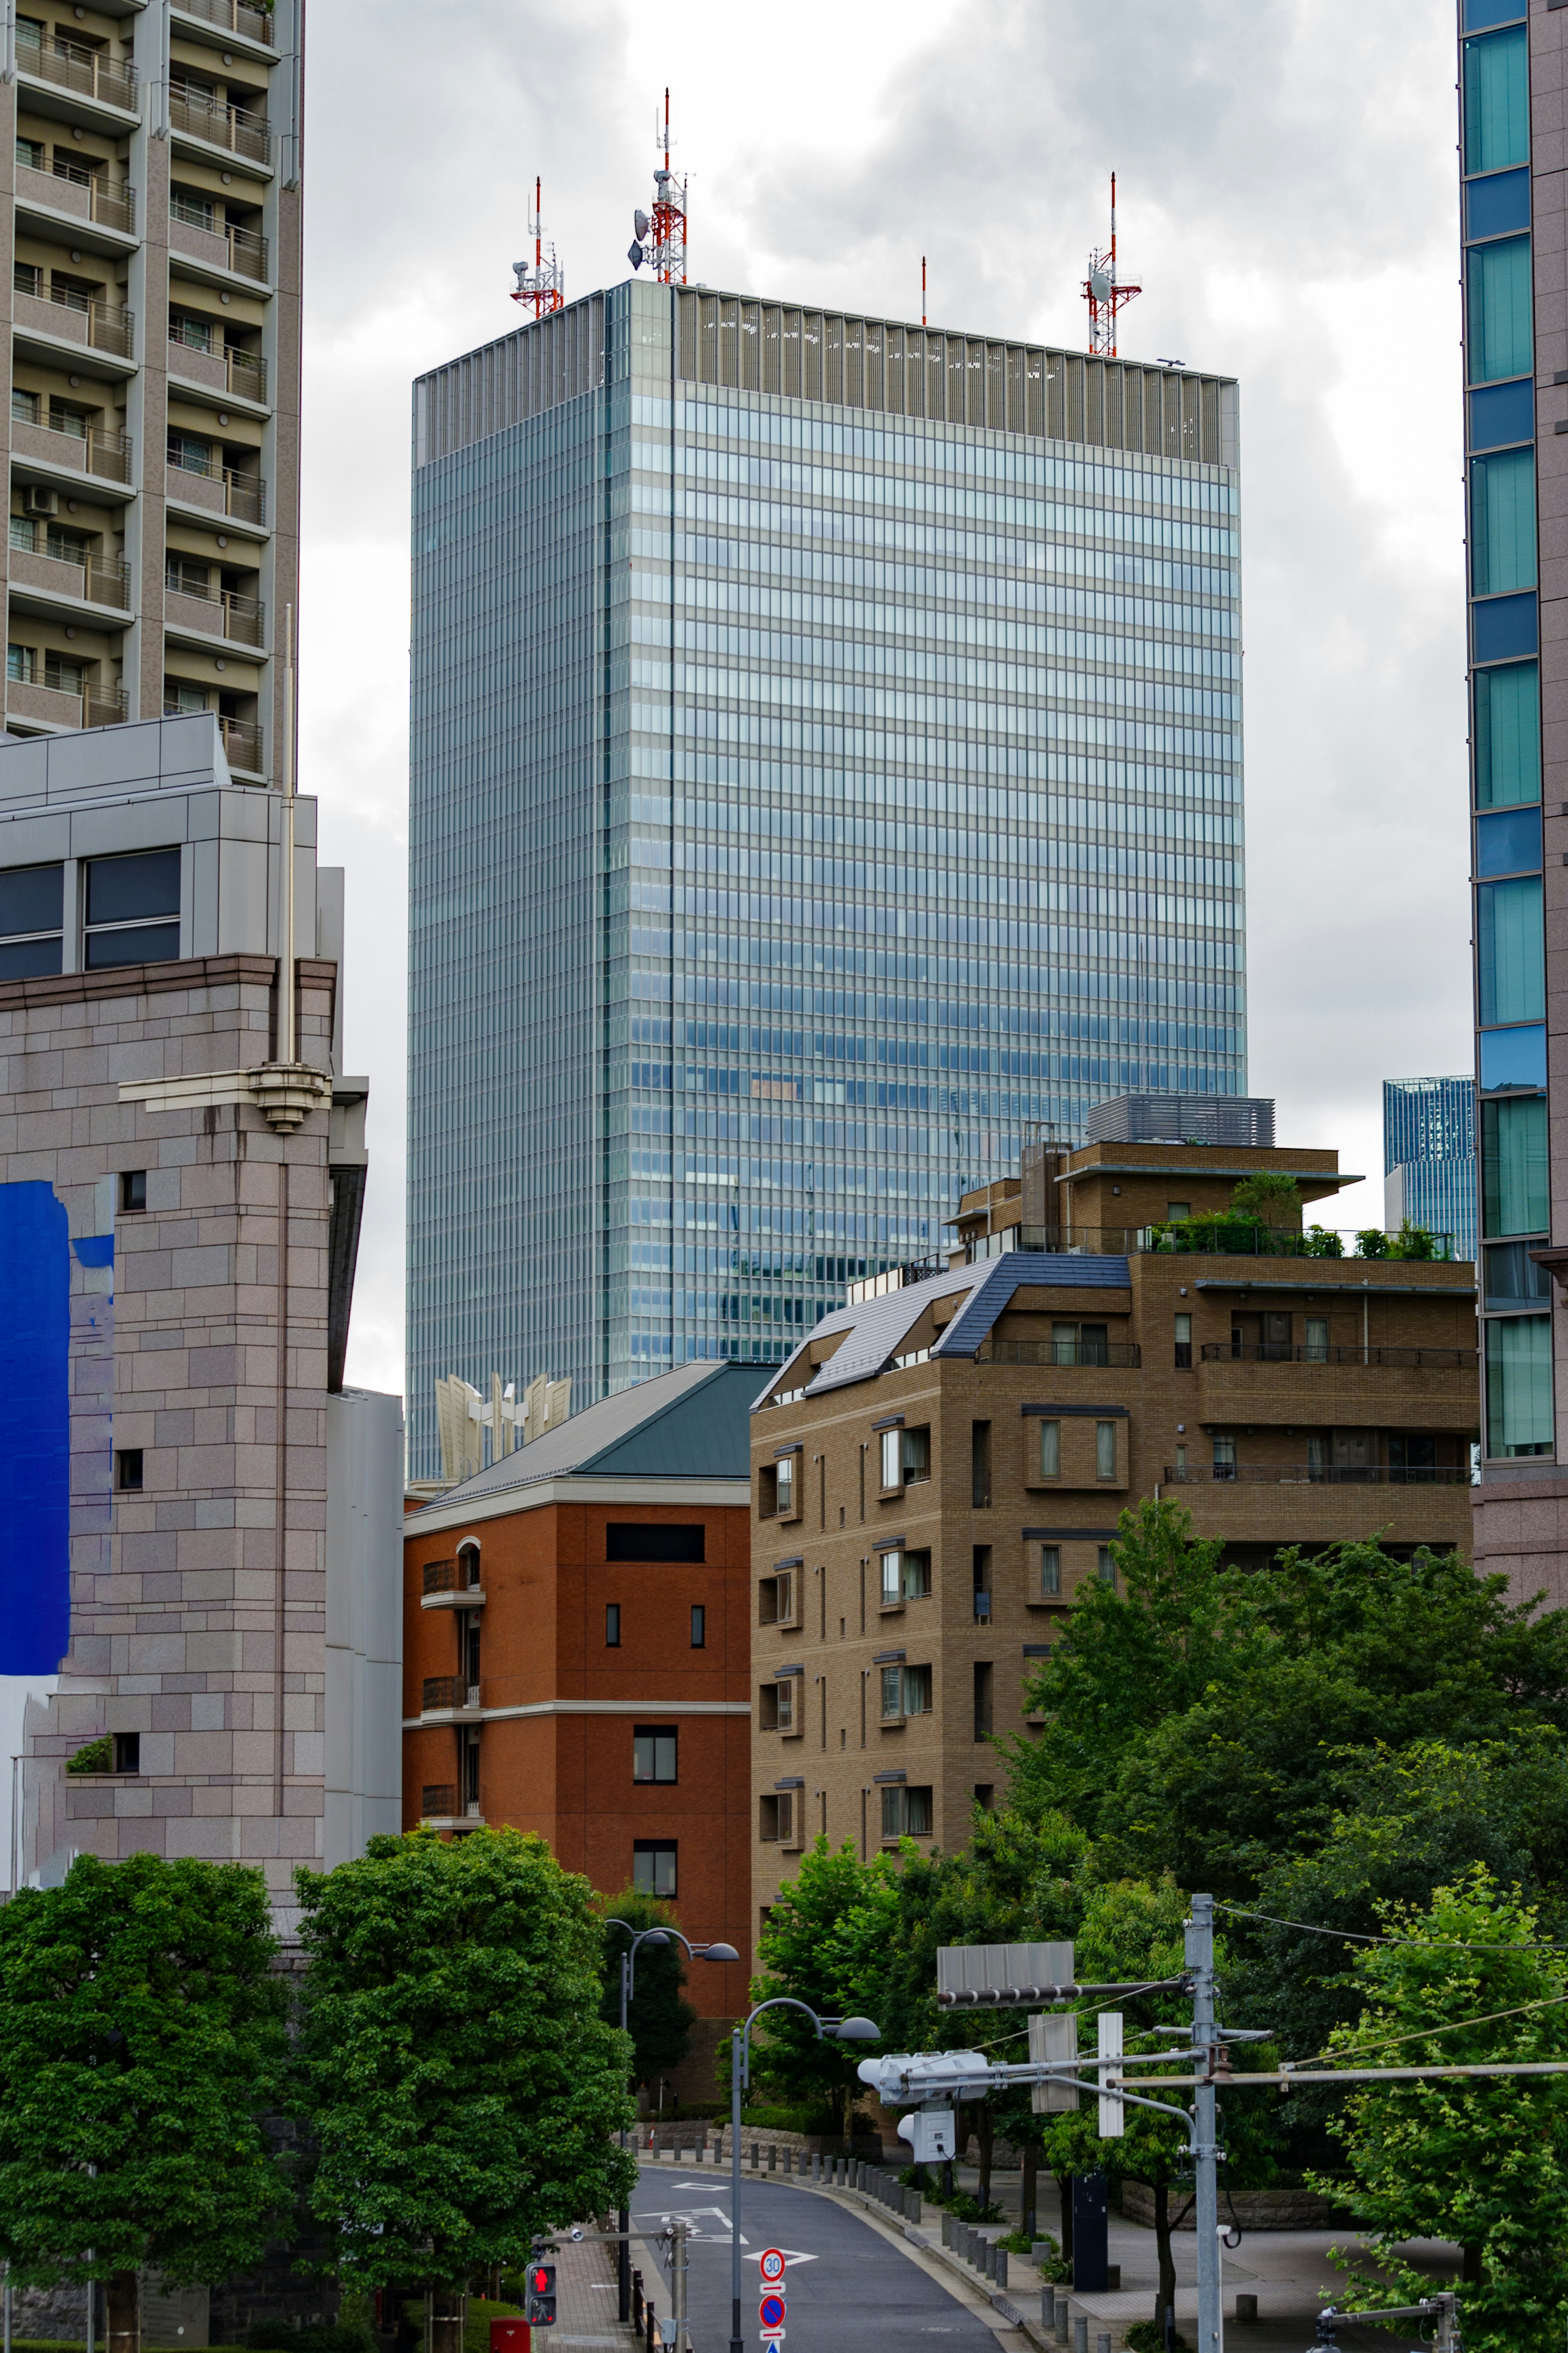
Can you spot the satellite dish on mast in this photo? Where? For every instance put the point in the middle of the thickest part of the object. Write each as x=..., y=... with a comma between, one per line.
x=1099, y=284
x=640, y=226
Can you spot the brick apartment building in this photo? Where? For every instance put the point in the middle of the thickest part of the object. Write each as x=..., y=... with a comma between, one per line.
x=577, y=1656
x=941, y=1466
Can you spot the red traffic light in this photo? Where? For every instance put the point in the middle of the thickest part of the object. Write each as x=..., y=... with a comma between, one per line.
x=543, y=2279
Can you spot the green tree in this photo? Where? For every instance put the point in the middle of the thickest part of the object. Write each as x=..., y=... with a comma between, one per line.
x=142, y=2041
x=461, y=2083
x=1482, y=2162
x=1269, y=1194
x=825, y=1943
x=660, y=2022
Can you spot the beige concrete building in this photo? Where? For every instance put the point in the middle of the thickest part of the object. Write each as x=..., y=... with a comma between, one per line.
x=940, y=1467
x=152, y=194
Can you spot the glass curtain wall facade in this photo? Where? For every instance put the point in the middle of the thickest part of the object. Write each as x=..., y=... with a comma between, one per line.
x=1429, y=1158
x=1511, y=992
x=825, y=757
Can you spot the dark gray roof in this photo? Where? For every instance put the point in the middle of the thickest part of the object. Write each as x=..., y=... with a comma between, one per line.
x=874, y=1326
x=689, y=1424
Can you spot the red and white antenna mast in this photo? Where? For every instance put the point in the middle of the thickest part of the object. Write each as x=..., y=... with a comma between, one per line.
x=542, y=287
x=659, y=237
x=1105, y=296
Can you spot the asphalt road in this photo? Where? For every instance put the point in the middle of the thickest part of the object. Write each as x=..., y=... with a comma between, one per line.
x=844, y=2284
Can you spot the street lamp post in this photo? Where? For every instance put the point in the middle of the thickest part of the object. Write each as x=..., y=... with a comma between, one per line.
x=655, y=1936
x=844, y=2029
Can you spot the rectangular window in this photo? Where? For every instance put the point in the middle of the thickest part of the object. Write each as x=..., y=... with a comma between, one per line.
x=1513, y=1277
x=1107, y=1565
x=128, y=1752
x=1513, y=1058
x=1105, y=1449
x=892, y=1693
x=1500, y=341
x=917, y=1691
x=1225, y=1457
x=699, y=1626
x=62, y=674
x=629, y=1540
x=906, y=1812
x=1509, y=842
x=32, y=902
x=914, y=1456
x=980, y=1465
x=612, y=1625
x=1495, y=206
x=1502, y=522
x=653, y=1867
x=30, y=155
x=892, y=1579
x=1518, y=1385
x=128, y=1469
x=132, y=895
x=1515, y=1192
x=783, y=1704
x=1507, y=734
x=783, y=1473
x=653, y=1751
x=1510, y=958
x=26, y=277
x=984, y=1681
x=1496, y=101
x=21, y=662
x=133, y=1190
x=1050, y=1570
x=1316, y=1328
x=1050, y=1449
x=1184, y=1342
x=25, y=407
x=891, y=1458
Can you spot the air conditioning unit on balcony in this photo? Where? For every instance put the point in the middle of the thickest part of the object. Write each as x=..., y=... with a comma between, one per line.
x=37, y=501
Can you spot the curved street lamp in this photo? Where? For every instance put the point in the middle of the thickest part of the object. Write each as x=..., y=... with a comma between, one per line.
x=655, y=1936
x=843, y=2029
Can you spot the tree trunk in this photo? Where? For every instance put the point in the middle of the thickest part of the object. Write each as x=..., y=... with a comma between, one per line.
x=1063, y=2191
x=849, y=2121
x=445, y=2307
x=1472, y=2271
x=985, y=2134
x=1030, y=2189
x=1165, y=2293
x=122, y=2317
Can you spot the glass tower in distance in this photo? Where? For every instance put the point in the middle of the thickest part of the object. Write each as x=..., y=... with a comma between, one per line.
x=826, y=759
x=1429, y=1158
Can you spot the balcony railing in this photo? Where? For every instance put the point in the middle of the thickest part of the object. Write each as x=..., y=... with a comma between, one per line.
x=243, y=373
x=447, y=1691
x=221, y=488
x=226, y=246
x=78, y=318
x=1122, y=1353
x=85, y=196
x=70, y=66
x=229, y=614
x=438, y=1800
x=57, y=706
x=1265, y=1351
x=1225, y=1238
x=233, y=16
x=103, y=450
x=1318, y=1474
x=236, y=128
x=241, y=744
x=452, y=1577
x=98, y=580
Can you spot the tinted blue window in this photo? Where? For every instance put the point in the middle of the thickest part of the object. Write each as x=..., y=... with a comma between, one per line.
x=1510, y=952
x=1505, y=413
x=1481, y=14
x=1504, y=628
x=1507, y=734
x=1496, y=101
x=1502, y=524
x=1495, y=206
x=1513, y=1058
x=1500, y=311
x=1509, y=843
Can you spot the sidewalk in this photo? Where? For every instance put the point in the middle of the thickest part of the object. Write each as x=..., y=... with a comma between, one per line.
x=585, y=2297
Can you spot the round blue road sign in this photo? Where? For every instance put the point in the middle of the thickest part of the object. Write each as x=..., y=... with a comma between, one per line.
x=770, y=2312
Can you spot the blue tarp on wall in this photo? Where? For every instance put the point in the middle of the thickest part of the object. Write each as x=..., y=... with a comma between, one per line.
x=35, y=1429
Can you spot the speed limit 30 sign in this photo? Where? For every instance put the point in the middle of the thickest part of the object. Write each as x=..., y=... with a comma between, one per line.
x=772, y=2266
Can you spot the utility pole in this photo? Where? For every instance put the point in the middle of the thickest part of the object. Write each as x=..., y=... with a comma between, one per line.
x=1199, y=1956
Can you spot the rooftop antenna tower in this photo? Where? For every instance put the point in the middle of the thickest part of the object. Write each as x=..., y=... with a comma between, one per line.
x=542, y=287
x=923, y=289
x=659, y=237
x=1103, y=293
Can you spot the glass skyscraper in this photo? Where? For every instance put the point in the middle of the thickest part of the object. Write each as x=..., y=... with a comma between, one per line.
x=826, y=759
x=1429, y=1158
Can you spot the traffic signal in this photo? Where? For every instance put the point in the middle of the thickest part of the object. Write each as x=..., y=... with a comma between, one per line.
x=541, y=2299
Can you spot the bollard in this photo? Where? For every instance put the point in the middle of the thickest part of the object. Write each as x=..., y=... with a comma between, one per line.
x=1081, y=2333
x=772, y=2156
x=789, y=2160
x=754, y=2157
x=914, y=2202
x=946, y=2228
x=637, y=2302
x=1102, y=2344
x=816, y=2165
x=1048, y=2305
x=988, y=2258
x=1247, y=2307
x=1064, y=2320
x=1001, y=2272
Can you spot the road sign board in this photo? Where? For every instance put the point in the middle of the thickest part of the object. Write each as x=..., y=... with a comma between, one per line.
x=771, y=2311
x=772, y=2266
x=773, y=2335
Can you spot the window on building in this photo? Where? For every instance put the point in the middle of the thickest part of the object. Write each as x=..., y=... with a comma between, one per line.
x=1317, y=1339
x=1105, y=1449
x=906, y=1577
x=980, y=1465
x=891, y=1458
x=780, y=1817
x=32, y=907
x=1050, y=1570
x=1050, y=1449
x=133, y=1190
x=30, y=155
x=986, y=1797
x=984, y=1679
x=1507, y=734
x=1496, y=101
x=775, y=1706
x=906, y=1812
x=193, y=454
x=128, y=1752
x=21, y=664
x=69, y=417
x=133, y=909
x=186, y=577
x=62, y=674
x=783, y=1480
x=26, y=406
x=1107, y=1565
x=699, y=1626
x=892, y=1693
x=635, y=1540
x=1500, y=342
x=196, y=211
x=26, y=277
x=612, y=1625
x=1513, y=1277
x=917, y=1691
x=1080, y=1344
x=1184, y=1342
x=654, y=1866
x=1510, y=965
x=128, y=1469
x=1515, y=1196
x=979, y=1579
x=1502, y=522
x=1518, y=1385
x=1508, y=841
x=654, y=1752
x=1225, y=1457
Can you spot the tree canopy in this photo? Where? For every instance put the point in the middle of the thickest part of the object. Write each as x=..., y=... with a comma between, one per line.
x=659, y=2021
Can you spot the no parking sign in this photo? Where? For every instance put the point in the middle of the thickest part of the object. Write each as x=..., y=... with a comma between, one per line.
x=771, y=2313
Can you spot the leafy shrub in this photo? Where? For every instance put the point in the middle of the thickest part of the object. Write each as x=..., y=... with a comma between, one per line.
x=95, y=1757
x=1146, y=2336
x=821, y=2121
x=320, y=2336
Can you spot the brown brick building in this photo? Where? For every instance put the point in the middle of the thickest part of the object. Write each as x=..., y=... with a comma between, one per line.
x=940, y=1466
x=577, y=1653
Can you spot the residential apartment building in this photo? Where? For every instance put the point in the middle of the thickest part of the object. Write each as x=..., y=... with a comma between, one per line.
x=826, y=741
x=576, y=1634
x=1512, y=72
x=153, y=212
x=1429, y=1159
x=209, y=1519
x=941, y=1466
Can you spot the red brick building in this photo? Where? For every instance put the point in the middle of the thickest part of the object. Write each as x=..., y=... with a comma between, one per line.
x=576, y=1649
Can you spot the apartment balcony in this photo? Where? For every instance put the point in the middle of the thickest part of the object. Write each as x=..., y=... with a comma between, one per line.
x=71, y=65
x=101, y=580
x=241, y=745
x=231, y=16
x=84, y=196
x=74, y=318
x=102, y=451
x=438, y=1798
x=443, y=1590
x=241, y=374
x=52, y=706
x=450, y=1699
x=220, y=490
x=242, y=252
x=1400, y=1389
x=1282, y=1503
x=1317, y=1474
x=1119, y=1354
x=237, y=129
x=238, y=618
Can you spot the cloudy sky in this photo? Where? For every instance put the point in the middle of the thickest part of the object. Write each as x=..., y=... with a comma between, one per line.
x=1286, y=182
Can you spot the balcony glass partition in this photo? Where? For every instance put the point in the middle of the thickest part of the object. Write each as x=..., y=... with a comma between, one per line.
x=1507, y=734
x=1502, y=522
x=1515, y=1196
x=1501, y=336
x=1496, y=101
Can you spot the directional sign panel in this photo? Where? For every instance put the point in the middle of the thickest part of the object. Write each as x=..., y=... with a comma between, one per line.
x=771, y=2311
x=772, y=2266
